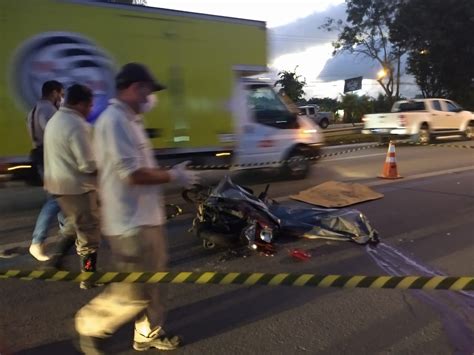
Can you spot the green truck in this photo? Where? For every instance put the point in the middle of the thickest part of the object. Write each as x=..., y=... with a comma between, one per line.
x=201, y=58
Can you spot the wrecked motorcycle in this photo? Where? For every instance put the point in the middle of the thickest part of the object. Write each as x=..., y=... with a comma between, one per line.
x=230, y=215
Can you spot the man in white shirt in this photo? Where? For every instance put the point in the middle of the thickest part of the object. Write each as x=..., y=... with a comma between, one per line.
x=52, y=93
x=70, y=173
x=132, y=216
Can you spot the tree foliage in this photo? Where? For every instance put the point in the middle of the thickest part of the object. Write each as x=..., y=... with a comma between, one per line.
x=381, y=104
x=325, y=104
x=355, y=107
x=366, y=32
x=438, y=35
x=291, y=84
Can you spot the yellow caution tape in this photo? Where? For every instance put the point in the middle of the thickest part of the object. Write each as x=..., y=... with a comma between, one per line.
x=452, y=283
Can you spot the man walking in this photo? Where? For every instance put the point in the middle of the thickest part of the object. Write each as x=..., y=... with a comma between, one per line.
x=133, y=216
x=52, y=94
x=70, y=173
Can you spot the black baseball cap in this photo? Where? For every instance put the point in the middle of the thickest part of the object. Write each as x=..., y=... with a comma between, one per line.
x=136, y=72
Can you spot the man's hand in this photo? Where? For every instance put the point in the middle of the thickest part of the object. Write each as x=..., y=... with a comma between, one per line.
x=181, y=175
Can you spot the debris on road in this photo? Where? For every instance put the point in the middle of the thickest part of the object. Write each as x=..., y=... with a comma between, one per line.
x=300, y=255
x=172, y=211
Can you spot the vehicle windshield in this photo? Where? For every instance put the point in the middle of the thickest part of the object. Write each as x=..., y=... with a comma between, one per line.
x=268, y=108
x=410, y=106
x=263, y=99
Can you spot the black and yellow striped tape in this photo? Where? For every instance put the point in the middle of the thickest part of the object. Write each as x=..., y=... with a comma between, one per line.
x=308, y=158
x=465, y=283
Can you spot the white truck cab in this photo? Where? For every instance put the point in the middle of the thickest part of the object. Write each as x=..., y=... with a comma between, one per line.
x=269, y=134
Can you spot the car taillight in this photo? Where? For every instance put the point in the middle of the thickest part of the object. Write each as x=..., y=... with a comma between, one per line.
x=364, y=119
x=402, y=120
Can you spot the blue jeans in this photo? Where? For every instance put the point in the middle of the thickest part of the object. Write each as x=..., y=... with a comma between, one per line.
x=45, y=219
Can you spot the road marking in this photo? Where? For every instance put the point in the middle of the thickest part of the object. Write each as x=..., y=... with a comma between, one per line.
x=350, y=158
x=421, y=176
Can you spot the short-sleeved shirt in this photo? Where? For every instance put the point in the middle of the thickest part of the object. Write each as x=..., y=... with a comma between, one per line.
x=122, y=147
x=68, y=157
x=43, y=111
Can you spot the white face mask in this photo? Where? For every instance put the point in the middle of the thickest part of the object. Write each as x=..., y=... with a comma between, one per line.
x=60, y=102
x=151, y=102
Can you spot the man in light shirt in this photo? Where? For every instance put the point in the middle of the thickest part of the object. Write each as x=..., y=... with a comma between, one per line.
x=70, y=174
x=132, y=216
x=52, y=93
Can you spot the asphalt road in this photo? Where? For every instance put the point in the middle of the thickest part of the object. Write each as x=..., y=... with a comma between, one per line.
x=425, y=224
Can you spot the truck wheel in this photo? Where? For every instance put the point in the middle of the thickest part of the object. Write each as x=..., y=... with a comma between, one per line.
x=469, y=132
x=297, y=165
x=324, y=123
x=424, y=136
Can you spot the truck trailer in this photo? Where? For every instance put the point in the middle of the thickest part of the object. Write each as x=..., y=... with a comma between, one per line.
x=216, y=109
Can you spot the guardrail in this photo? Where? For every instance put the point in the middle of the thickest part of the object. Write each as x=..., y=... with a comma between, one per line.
x=342, y=131
x=336, y=126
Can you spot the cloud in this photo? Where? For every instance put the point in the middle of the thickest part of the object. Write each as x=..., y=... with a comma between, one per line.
x=304, y=33
x=346, y=65
x=301, y=43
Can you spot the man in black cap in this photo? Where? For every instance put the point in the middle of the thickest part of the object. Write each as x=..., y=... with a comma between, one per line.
x=132, y=216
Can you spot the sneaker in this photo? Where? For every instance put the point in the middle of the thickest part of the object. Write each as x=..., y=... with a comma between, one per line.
x=38, y=253
x=155, y=340
x=86, y=285
x=89, y=264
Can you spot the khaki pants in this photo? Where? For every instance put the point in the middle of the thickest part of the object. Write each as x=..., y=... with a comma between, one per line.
x=141, y=249
x=82, y=219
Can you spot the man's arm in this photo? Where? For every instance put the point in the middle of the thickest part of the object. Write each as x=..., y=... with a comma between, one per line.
x=43, y=115
x=125, y=156
x=80, y=143
x=149, y=176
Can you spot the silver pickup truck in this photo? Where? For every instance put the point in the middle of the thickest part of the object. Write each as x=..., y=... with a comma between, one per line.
x=421, y=120
x=323, y=119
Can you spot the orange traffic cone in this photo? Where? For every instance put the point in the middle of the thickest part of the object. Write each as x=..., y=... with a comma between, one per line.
x=390, y=167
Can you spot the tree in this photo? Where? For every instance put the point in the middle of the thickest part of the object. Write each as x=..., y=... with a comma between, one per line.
x=325, y=104
x=355, y=107
x=366, y=32
x=381, y=104
x=426, y=73
x=440, y=46
x=291, y=84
